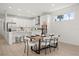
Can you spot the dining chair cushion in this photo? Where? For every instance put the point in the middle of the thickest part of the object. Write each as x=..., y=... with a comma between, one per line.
x=53, y=41
x=45, y=42
x=47, y=37
x=30, y=43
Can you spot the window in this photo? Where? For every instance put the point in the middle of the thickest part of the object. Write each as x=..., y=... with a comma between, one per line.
x=69, y=16
x=58, y=18
x=72, y=15
x=66, y=16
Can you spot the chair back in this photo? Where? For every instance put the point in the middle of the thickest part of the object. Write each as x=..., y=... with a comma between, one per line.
x=38, y=32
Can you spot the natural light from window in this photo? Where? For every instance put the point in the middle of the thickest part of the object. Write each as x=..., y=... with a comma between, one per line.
x=66, y=16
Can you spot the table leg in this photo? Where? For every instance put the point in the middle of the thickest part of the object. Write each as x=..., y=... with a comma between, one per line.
x=39, y=47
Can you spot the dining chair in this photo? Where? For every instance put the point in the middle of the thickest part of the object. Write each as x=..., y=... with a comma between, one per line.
x=46, y=42
x=50, y=41
x=28, y=44
x=54, y=41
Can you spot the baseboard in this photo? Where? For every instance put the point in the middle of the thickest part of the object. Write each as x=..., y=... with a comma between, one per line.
x=71, y=43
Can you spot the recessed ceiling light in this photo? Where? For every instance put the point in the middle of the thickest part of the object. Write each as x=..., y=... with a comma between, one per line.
x=28, y=11
x=19, y=9
x=18, y=14
x=10, y=7
x=52, y=5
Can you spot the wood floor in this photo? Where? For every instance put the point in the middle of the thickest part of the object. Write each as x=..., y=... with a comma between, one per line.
x=18, y=50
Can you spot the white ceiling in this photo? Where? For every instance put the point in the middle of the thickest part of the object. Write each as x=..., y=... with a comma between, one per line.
x=31, y=9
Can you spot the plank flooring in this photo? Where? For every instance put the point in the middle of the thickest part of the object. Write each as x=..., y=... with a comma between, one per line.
x=18, y=50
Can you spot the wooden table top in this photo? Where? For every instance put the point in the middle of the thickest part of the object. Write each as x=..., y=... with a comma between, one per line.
x=37, y=37
x=51, y=35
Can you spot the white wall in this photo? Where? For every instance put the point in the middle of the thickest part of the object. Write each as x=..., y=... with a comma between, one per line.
x=69, y=30
x=2, y=25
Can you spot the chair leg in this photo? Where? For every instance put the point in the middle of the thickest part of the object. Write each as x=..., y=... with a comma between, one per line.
x=45, y=49
x=54, y=46
x=27, y=48
x=36, y=46
x=50, y=46
x=57, y=46
x=54, y=49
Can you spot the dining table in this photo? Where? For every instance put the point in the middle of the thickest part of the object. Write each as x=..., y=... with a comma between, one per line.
x=38, y=38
